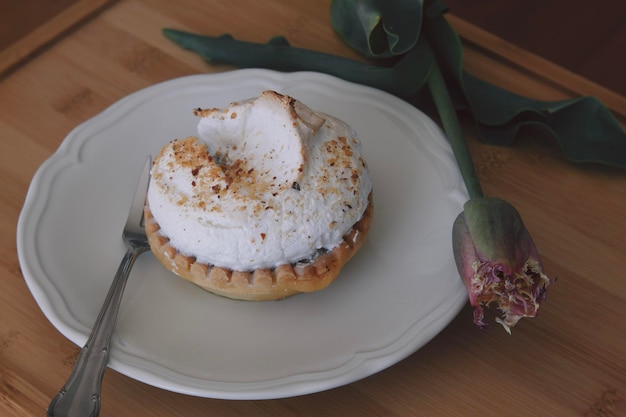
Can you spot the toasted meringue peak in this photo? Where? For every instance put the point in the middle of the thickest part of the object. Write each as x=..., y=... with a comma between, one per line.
x=268, y=181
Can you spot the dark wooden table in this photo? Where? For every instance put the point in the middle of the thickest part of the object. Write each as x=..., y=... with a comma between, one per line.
x=587, y=38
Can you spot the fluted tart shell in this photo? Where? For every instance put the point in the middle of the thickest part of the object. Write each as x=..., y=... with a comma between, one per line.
x=261, y=284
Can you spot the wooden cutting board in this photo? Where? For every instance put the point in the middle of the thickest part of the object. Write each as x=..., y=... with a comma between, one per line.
x=571, y=361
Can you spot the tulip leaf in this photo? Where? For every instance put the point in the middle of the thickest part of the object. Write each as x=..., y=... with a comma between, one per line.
x=378, y=28
x=407, y=37
x=404, y=78
x=584, y=128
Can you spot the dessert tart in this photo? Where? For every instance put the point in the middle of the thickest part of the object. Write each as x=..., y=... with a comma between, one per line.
x=269, y=200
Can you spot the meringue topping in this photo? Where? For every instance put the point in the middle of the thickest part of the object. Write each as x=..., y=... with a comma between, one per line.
x=268, y=181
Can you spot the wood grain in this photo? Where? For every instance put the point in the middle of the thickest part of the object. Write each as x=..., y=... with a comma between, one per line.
x=26, y=27
x=570, y=361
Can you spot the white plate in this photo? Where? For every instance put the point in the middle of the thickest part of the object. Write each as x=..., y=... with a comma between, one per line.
x=399, y=291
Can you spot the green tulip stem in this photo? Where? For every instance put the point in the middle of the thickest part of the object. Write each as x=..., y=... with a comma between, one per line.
x=453, y=130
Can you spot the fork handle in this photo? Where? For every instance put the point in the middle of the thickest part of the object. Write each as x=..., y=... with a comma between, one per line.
x=80, y=396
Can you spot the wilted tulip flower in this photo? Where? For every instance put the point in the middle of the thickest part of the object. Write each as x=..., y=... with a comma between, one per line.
x=498, y=261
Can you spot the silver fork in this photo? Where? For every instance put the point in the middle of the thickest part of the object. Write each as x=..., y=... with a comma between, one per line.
x=80, y=396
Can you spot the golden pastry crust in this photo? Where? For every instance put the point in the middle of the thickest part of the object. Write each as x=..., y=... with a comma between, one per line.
x=261, y=284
